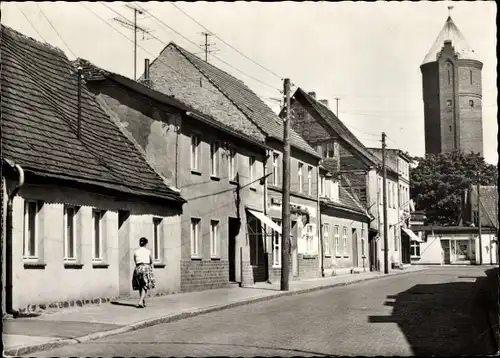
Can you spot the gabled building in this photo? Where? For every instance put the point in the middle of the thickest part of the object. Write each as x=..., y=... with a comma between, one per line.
x=357, y=169
x=220, y=115
x=77, y=193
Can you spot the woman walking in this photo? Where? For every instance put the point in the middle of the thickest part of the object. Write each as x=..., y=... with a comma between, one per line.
x=143, y=279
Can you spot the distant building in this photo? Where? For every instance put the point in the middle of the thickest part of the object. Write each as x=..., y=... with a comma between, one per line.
x=452, y=92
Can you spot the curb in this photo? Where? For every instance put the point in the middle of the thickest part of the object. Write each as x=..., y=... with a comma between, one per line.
x=21, y=351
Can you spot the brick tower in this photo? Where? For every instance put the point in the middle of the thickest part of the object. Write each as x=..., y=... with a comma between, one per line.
x=451, y=79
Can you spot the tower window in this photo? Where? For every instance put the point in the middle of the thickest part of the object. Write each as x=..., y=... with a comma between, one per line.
x=448, y=103
x=449, y=77
x=471, y=103
x=450, y=129
x=470, y=77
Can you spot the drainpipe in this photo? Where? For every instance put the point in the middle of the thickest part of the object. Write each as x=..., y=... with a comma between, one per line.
x=266, y=162
x=8, y=239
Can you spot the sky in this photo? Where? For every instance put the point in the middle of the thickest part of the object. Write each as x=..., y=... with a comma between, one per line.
x=368, y=55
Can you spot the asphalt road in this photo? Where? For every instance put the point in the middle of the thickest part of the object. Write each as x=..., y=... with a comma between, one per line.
x=434, y=312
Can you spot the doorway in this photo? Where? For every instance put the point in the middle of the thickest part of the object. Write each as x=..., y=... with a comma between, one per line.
x=355, y=262
x=295, y=258
x=373, y=249
x=258, y=254
x=234, y=229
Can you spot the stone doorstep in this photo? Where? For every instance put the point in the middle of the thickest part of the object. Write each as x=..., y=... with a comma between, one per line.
x=25, y=350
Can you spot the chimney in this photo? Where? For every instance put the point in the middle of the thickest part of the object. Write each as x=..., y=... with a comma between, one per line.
x=146, y=72
x=324, y=102
x=79, y=102
x=312, y=94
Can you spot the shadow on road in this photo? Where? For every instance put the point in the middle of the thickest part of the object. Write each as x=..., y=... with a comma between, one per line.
x=118, y=303
x=446, y=319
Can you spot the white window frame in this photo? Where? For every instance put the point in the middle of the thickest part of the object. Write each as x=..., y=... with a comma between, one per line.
x=363, y=248
x=326, y=240
x=215, y=159
x=344, y=240
x=214, y=238
x=231, y=164
x=251, y=168
x=69, y=256
x=330, y=147
x=322, y=184
x=276, y=245
x=195, y=151
x=309, y=179
x=336, y=237
x=27, y=237
x=335, y=195
x=99, y=216
x=276, y=157
x=299, y=174
x=195, y=237
x=157, y=239
x=309, y=237
x=413, y=246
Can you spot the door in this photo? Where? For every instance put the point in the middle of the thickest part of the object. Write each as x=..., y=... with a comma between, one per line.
x=258, y=255
x=373, y=252
x=234, y=229
x=446, y=251
x=354, y=236
x=295, y=258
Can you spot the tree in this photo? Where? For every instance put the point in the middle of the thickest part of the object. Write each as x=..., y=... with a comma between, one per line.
x=439, y=180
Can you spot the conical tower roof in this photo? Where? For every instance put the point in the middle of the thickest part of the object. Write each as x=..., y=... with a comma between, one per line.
x=450, y=32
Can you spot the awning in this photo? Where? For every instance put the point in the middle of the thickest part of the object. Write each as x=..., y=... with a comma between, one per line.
x=412, y=235
x=266, y=220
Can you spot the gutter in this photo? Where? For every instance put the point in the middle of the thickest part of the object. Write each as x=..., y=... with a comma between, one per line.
x=8, y=240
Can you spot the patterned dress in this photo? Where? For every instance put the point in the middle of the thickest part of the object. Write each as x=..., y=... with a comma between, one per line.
x=143, y=277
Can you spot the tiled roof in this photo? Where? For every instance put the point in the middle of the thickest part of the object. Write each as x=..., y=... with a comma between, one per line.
x=450, y=32
x=489, y=204
x=39, y=124
x=247, y=102
x=346, y=200
x=336, y=124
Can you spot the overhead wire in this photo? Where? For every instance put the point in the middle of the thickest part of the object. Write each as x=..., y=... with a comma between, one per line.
x=50, y=22
x=195, y=44
x=235, y=49
x=33, y=26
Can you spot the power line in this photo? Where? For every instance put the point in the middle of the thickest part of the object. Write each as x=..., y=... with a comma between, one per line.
x=33, y=26
x=237, y=69
x=241, y=53
x=56, y=31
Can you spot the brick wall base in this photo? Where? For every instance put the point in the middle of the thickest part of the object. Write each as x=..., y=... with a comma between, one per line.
x=204, y=274
x=308, y=266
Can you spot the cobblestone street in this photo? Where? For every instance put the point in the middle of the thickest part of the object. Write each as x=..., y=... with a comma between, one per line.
x=439, y=311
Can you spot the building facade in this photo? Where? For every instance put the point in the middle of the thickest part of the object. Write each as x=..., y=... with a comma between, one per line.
x=452, y=92
x=78, y=194
x=358, y=170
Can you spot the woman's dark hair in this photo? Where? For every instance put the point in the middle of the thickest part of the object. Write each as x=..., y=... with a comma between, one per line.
x=143, y=241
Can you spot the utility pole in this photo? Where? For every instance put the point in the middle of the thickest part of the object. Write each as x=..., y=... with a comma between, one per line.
x=479, y=224
x=285, y=206
x=207, y=45
x=384, y=201
x=337, y=99
x=133, y=26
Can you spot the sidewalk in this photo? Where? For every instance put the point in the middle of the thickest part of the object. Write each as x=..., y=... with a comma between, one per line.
x=24, y=336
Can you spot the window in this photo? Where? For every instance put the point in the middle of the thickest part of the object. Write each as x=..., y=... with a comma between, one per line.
x=69, y=233
x=323, y=183
x=337, y=239
x=320, y=149
x=414, y=248
x=214, y=159
x=362, y=242
x=331, y=150
x=276, y=246
x=309, y=237
x=195, y=237
x=31, y=209
x=334, y=190
x=195, y=151
x=389, y=196
x=394, y=195
x=214, y=239
x=448, y=103
x=232, y=164
x=470, y=76
x=471, y=103
x=309, y=180
x=475, y=218
x=326, y=241
x=449, y=76
x=396, y=238
x=300, y=177
x=275, y=169
x=97, y=216
x=336, y=150
x=251, y=168
x=344, y=239
x=156, y=239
